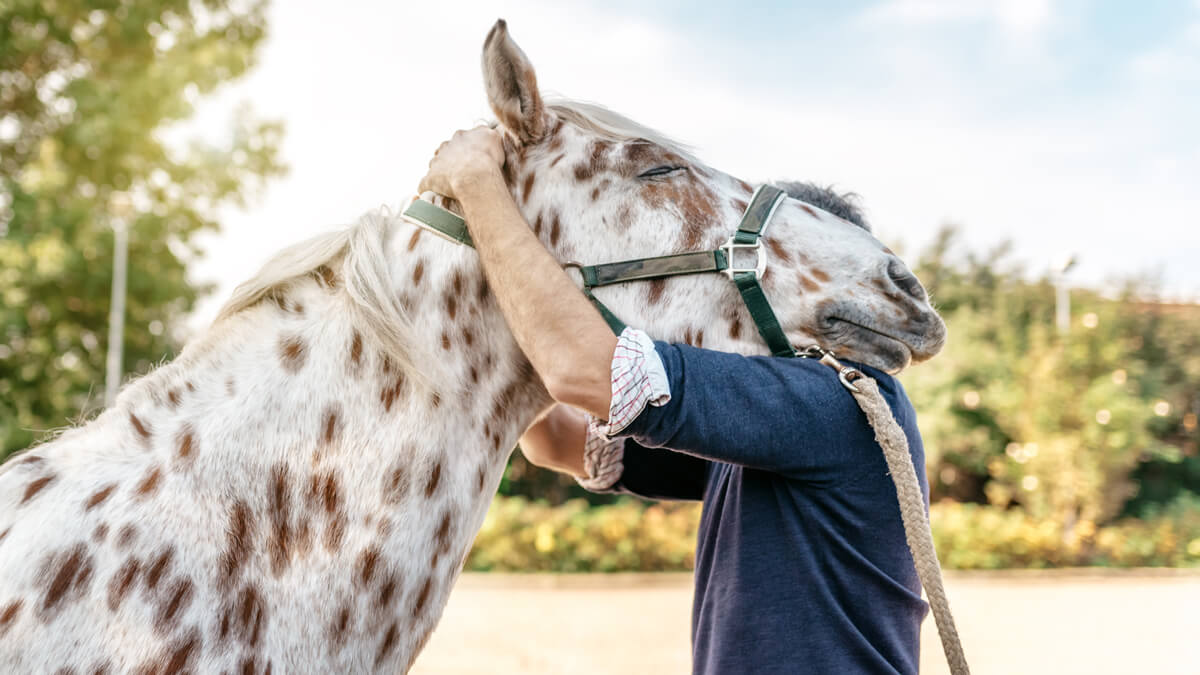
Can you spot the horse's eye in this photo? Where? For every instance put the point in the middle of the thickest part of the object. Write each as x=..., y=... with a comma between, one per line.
x=660, y=171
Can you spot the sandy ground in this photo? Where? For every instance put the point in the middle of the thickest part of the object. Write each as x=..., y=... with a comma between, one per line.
x=1049, y=622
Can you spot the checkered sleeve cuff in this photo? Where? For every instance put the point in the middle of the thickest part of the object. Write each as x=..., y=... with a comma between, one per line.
x=638, y=379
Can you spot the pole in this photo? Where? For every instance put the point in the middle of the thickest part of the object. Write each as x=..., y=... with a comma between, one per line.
x=1062, y=305
x=116, y=314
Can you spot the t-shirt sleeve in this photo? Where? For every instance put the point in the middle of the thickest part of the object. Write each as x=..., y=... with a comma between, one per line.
x=769, y=413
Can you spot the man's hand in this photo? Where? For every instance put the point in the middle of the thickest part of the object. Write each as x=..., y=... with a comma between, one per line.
x=468, y=158
x=563, y=336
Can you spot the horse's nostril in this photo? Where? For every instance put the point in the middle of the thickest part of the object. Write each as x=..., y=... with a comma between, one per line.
x=905, y=280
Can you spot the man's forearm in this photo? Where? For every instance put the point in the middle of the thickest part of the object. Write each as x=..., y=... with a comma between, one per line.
x=564, y=337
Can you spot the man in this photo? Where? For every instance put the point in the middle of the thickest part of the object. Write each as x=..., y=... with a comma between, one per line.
x=801, y=561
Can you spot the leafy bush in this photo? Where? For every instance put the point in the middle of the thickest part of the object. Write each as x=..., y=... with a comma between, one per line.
x=630, y=536
x=523, y=536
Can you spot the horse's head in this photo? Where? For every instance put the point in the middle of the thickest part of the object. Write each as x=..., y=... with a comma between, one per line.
x=597, y=187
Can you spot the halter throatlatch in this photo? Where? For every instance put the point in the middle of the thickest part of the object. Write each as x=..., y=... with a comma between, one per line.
x=748, y=278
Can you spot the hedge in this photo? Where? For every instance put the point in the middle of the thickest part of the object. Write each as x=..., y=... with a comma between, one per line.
x=519, y=535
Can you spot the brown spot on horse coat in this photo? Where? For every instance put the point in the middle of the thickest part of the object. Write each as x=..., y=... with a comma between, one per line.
x=808, y=284
x=238, y=543
x=178, y=597
x=443, y=535
x=819, y=274
x=149, y=483
x=418, y=272
x=330, y=426
x=335, y=530
x=292, y=353
x=386, y=590
x=180, y=654
x=391, y=393
x=412, y=241
x=395, y=484
x=326, y=276
x=445, y=341
x=330, y=496
x=122, y=582
x=63, y=573
x=367, y=560
x=422, y=597
x=340, y=626
x=173, y=398
x=159, y=567
x=251, y=613
x=356, y=352
x=778, y=251
x=389, y=643
x=125, y=535
x=140, y=427
x=528, y=186
x=8, y=615
x=279, y=510
x=655, y=290
x=187, y=442
x=435, y=477
x=100, y=533
x=555, y=229
x=35, y=486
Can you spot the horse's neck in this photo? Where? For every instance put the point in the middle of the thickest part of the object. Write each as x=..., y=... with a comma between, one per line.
x=289, y=409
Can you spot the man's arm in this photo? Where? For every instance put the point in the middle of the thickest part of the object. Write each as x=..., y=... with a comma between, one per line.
x=557, y=442
x=564, y=337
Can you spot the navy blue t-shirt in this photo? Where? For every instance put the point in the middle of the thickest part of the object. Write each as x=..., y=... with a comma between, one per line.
x=801, y=561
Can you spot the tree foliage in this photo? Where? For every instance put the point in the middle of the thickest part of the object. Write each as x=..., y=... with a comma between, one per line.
x=1063, y=425
x=87, y=91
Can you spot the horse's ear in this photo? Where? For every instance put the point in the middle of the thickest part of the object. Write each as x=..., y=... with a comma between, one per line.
x=512, y=86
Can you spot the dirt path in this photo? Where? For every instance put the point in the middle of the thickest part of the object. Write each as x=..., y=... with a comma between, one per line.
x=1061, y=622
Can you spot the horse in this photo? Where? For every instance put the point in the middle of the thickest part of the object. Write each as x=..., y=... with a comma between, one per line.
x=298, y=490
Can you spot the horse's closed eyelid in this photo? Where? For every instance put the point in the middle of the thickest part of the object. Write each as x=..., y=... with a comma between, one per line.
x=660, y=171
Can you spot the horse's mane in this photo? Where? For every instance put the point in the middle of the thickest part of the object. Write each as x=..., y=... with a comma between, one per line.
x=612, y=125
x=362, y=252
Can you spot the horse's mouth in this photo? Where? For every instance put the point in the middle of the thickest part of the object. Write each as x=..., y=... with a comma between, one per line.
x=877, y=346
x=868, y=344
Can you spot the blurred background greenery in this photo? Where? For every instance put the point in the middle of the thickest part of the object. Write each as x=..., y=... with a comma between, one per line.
x=1045, y=447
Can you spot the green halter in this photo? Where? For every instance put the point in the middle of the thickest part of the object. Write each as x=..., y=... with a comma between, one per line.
x=754, y=221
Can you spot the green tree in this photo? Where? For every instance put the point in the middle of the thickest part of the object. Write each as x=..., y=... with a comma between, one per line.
x=87, y=90
x=1015, y=414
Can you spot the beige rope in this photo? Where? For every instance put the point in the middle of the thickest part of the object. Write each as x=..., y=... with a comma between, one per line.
x=912, y=511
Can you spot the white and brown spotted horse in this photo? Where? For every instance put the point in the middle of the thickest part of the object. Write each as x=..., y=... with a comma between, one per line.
x=298, y=490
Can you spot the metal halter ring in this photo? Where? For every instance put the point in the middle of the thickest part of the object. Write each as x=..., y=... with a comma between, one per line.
x=731, y=246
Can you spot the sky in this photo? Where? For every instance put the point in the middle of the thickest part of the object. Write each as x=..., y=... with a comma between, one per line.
x=1067, y=127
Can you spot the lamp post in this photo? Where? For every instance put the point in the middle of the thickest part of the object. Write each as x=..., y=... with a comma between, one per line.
x=1062, y=295
x=119, y=207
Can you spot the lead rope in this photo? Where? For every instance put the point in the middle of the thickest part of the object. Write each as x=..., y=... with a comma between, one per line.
x=917, y=531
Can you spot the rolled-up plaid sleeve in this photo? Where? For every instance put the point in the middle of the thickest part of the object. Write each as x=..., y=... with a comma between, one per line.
x=617, y=464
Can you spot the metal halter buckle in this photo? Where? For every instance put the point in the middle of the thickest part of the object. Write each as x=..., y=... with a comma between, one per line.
x=846, y=374
x=731, y=246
